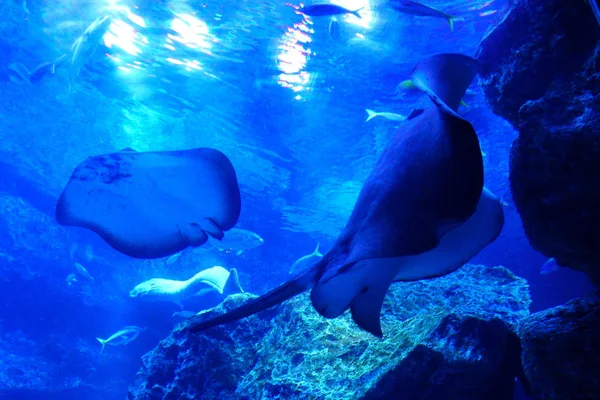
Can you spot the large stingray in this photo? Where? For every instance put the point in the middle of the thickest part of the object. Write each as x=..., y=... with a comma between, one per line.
x=153, y=204
x=415, y=216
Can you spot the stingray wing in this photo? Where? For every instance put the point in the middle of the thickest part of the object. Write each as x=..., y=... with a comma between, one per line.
x=153, y=204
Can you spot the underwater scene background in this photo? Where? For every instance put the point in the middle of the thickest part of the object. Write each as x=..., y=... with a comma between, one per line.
x=286, y=97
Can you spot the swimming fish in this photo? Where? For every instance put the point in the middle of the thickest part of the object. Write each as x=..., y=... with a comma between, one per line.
x=71, y=280
x=81, y=270
x=122, y=337
x=46, y=68
x=549, y=267
x=237, y=240
x=306, y=261
x=153, y=204
x=85, y=46
x=334, y=28
x=387, y=115
x=183, y=314
x=215, y=278
x=73, y=249
x=423, y=211
x=325, y=10
x=173, y=258
x=421, y=10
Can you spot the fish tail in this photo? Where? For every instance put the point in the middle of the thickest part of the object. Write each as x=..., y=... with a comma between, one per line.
x=407, y=84
x=356, y=14
x=316, y=252
x=102, y=342
x=451, y=22
x=372, y=114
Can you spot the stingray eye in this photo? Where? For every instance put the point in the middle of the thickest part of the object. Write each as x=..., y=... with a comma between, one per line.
x=365, y=289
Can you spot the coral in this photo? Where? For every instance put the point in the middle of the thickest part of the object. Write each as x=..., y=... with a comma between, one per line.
x=450, y=336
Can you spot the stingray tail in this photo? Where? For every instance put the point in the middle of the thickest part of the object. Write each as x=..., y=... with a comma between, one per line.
x=276, y=296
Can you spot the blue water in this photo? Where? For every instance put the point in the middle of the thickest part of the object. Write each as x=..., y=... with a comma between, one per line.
x=257, y=80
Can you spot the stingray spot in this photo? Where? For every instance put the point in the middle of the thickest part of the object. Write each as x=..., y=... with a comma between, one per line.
x=365, y=289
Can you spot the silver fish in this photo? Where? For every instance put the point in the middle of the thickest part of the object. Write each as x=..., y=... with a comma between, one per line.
x=237, y=240
x=306, y=261
x=122, y=337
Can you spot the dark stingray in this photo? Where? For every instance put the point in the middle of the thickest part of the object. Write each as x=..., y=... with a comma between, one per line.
x=427, y=182
x=152, y=204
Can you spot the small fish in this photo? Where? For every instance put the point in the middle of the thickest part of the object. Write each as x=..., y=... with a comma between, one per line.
x=89, y=253
x=122, y=337
x=71, y=280
x=305, y=262
x=549, y=267
x=83, y=272
x=334, y=28
x=326, y=10
x=237, y=240
x=184, y=314
x=387, y=115
x=421, y=10
x=47, y=68
x=173, y=258
x=73, y=249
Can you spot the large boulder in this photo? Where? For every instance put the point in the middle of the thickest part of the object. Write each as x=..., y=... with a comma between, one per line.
x=448, y=338
x=540, y=72
x=561, y=350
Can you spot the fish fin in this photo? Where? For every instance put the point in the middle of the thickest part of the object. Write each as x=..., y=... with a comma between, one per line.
x=371, y=114
x=316, y=252
x=193, y=234
x=103, y=343
x=276, y=296
x=415, y=113
x=366, y=307
x=451, y=22
x=462, y=103
x=232, y=285
x=356, y=14
x=445, y=78
x=360, y=286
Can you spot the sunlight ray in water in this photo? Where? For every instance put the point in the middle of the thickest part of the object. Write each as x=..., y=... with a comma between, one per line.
x=293, y=55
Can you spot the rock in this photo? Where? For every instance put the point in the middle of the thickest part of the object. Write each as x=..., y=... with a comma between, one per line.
x=37, y=369
x=445, y=338
x=561, y=350
x=540, y=73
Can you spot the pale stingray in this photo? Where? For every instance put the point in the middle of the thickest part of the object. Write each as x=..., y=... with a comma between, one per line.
x=153, y=204
x=427, y=183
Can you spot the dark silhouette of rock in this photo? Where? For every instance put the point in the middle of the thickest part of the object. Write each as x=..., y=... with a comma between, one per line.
x=561, y=350
x=446, y=338
x=540, y=72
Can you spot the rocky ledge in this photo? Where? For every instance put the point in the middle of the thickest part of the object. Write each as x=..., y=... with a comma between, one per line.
x=447, y=338
x=541, y=72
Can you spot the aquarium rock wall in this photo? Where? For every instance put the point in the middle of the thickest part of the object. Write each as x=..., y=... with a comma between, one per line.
x=450, y=338
x=540, y=71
